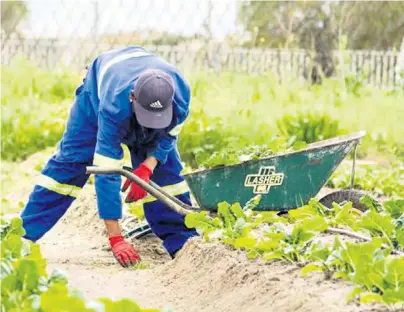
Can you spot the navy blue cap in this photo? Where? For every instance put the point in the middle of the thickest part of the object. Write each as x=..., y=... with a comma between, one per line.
x=154, y=93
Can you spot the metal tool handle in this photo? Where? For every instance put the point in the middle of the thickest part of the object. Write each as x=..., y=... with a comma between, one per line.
x=151, y=188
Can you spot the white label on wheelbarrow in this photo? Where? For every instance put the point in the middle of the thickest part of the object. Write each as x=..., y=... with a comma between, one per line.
x=263, y=181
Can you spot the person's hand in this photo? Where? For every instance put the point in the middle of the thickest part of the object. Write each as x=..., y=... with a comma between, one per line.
x=124, y=252
x=136, y=192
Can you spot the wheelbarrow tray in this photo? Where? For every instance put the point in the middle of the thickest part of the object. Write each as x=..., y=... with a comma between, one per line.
x=285, y=181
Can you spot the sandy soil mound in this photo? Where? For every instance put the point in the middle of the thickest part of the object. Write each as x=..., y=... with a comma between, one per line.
x=225, y=280
x=81, y=238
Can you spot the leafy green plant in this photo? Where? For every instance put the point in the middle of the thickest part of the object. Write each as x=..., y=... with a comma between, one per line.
x=309, y=127
x=379, y=275
x=368, y=265
x=378, y=179
x=338, y=215
x=293, y=246
x=385, y=221
x=35, y=104
x=232, y=156
x=26, y=286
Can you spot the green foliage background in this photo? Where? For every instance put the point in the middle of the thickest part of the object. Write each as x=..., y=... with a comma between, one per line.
x=227, y=111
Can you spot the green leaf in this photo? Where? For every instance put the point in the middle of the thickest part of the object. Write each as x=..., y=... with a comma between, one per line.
x=371, y=203
x=356, y=291
x=224, y=212
x=120, y=306
x=298, y=145
x=27, y=274
x=16, y=227
x=57, y=298
x=201, y=221
x=337, y=243
x=266, y=245
x=252, y=203
x=400, y=236
x=270, y=217
x=238, y=211
x=300, y=236
x=315, y=224
x=37, y=257
x=245, y=242
x=9, y=284
x=252, y=254
x=395, y=271
x=394, y=207
x=58, y=276
x=391, y=296
x=377, y=224
x=370, y=298
x=304, y=212
x=344, y=215
x=400, y=221
x=319, y=252
x=13, y=244
x=313, y=267
x=276, y=235
x=373, y=279
x=272, y=256
x=341, y=274
x=6, y=267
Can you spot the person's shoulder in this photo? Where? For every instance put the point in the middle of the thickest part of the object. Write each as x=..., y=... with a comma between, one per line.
x=123, y=52
x=174, y=72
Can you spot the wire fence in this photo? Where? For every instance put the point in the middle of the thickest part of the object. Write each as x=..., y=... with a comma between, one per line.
x=199, y=35
x=378, y=67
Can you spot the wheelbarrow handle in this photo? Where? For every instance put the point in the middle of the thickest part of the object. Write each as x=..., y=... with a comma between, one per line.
x=166, y=194
x=151, y=188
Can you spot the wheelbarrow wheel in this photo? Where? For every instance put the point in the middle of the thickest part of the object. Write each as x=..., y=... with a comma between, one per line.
x=134, y=228
x=342, y=196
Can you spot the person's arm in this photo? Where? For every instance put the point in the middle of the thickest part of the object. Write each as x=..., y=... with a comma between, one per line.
x=145, y=170
x=109, y=153
x=113, y=228
x=163, y=148
x=151, y=162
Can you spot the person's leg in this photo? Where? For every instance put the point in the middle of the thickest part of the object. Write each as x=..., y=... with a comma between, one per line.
x=165, y=223
x=62, y=178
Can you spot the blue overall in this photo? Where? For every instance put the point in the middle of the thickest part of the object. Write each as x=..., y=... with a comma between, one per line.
x=101, y=119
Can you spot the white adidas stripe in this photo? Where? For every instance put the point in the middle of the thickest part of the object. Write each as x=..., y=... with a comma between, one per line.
x=156, y=104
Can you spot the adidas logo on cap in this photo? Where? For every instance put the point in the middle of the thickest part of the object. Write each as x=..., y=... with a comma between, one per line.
x=156, y=104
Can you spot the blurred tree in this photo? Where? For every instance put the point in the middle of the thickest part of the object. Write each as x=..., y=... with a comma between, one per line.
x=12, y=13
x=376, y=25
x=304, y=24
x=318, y=25
x=286, y=24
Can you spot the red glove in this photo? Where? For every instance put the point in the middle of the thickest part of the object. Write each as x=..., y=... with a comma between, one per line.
x=123, y=251
x=136, y=192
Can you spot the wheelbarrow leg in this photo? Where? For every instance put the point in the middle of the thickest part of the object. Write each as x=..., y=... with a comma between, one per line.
x=353, y=167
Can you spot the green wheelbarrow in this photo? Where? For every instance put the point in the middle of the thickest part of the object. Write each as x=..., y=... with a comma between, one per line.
x=284, y=181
